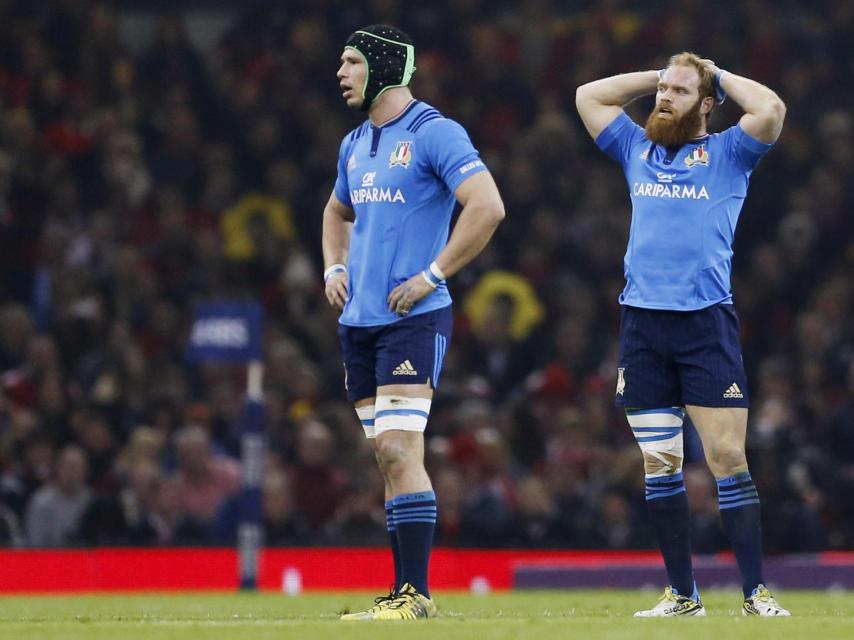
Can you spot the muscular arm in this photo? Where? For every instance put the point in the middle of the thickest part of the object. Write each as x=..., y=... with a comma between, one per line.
x=600, y=101
x=764, y=111
x=482, y=212
x=337, y=222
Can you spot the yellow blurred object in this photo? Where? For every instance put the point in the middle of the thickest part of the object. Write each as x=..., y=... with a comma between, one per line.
x=300, y=409
x=528, y=312
x=235, y=223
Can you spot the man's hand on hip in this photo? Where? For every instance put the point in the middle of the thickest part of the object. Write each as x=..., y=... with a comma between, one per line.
x=404, y=296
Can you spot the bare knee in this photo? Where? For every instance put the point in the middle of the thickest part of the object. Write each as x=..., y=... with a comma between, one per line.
x=726, y=460
x=393, y=454
x=380, y=463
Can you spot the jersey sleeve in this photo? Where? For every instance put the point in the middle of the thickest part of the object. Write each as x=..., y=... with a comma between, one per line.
x=451, y=153
x=342, y=185
x=619, y=138
x=744, y=149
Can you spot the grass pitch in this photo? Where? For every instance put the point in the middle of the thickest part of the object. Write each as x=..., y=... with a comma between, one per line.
x=539, y=615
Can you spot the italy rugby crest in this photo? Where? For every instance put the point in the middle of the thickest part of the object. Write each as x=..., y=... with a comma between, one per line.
x=698, y=156
x=401, y=156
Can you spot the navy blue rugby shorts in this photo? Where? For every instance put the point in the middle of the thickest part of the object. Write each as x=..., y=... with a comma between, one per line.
x=409, y=351
x=673, y=358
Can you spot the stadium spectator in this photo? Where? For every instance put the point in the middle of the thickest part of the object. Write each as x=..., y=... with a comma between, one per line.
x=54, y=512
x=203, y=480
x=318, y=482
x=281, y=525
x=537, y=521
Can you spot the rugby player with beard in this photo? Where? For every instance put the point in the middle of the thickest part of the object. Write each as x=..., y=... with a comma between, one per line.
x=679, y=342
x=671, y=124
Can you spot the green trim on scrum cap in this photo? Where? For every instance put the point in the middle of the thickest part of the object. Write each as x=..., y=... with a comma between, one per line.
x=409, y=67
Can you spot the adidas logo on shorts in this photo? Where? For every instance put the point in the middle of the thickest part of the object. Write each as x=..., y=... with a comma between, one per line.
x=405, y=368
x=733, y=392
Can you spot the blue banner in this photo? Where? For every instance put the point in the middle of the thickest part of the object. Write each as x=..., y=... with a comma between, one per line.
x=226, y=331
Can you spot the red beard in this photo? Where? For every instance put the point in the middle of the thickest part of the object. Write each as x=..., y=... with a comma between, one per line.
x=674, y=132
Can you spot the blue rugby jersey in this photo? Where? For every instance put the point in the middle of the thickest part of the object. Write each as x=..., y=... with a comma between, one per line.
x=685, y=207
x=400, y=179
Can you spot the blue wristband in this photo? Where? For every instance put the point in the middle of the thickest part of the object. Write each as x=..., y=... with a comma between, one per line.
x=433, y=275
x=432, y=280
x=720, y=94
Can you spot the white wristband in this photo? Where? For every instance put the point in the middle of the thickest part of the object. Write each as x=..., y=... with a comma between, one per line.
x=436, y=271
x=429, y=280
x=335, y=268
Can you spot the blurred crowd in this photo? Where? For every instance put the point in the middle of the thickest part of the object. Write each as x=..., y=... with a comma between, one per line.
x=136, y=182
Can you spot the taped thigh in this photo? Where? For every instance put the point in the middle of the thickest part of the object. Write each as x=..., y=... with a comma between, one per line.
x=366, y=417
x=402, y=413
x=659, y=435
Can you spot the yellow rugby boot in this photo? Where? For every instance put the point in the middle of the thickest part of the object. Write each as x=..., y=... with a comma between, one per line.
x=380, y=603
x=762, y=603
x=408, y=605
x=671, y=604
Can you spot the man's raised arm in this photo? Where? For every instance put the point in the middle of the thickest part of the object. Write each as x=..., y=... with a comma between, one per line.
x=764, y=111
x=600, y=101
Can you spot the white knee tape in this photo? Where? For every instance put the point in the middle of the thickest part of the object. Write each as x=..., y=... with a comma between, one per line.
x=401, y=413
x=366, y=417
x=659, y=435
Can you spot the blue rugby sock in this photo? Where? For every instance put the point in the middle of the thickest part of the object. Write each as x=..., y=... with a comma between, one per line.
x=739, y=504
x=667, y=504
x=395, y=546
x=415, y=519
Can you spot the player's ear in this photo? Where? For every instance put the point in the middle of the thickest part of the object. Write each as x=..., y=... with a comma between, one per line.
x=706, y=105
